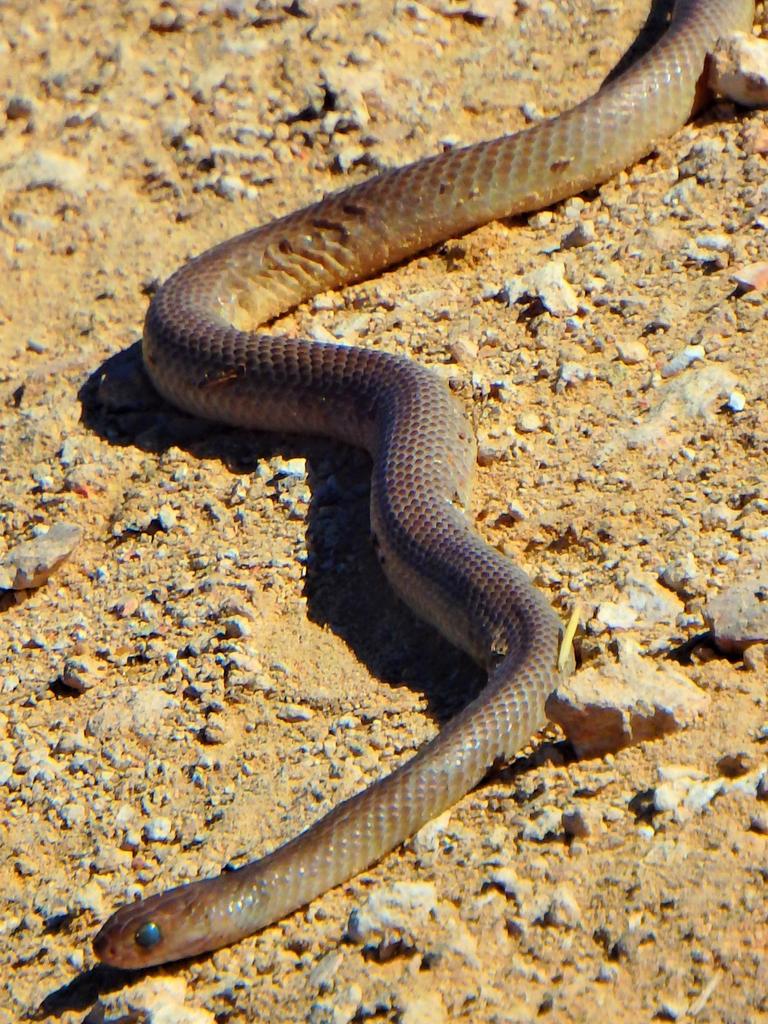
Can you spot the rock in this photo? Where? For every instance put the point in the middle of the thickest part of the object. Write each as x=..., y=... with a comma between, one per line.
x=685, y=791
x=754, y=783
x=752, y=278
x=73, y=814
x=236, y=627
x=602, y=709
x=462, y=347
x=396, y=906
x=167, y=517
x=289, y=468
x=29, y=564
x=718, y=516
x=582, y=234
x=167, y=19
x=80, y=673
x=90, y=897
x=738, y=616
x=739, y=69
x=215, y=732
x=126, y=606
x=399, y=919
x=652, y=602
x=19, y=108
x=671, y=1009
x=548, y=284
x=755, y=658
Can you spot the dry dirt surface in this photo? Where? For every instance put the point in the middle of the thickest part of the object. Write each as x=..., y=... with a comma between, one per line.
x=220, y=660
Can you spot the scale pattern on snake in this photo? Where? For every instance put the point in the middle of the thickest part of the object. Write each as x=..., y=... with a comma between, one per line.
x=202, y=355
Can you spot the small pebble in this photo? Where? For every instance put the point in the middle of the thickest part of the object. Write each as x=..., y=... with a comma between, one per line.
x=632, y=352
x=236, y=627
x=736, y=401
x=616, y=616
x=18, y=108
x=73, y=814
x=167, y=517
x=294, y=713
x=571, y=373
x=528, y=422
x=463, y=349
x=582, y=234
x=80, y=673
x=214, y=732
x=158, y=830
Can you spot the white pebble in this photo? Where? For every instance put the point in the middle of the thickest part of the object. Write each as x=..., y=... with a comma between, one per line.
x=528, y=422
x=736, y=401
x=158, y=830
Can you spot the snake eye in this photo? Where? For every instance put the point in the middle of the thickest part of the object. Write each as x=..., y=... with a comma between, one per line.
x=148, y=935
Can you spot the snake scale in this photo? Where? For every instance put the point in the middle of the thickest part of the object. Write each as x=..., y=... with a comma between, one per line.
x=203, y=358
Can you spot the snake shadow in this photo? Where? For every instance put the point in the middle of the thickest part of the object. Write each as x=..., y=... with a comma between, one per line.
x=344, y=585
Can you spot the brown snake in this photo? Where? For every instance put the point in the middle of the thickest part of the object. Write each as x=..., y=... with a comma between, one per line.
x=201, y=357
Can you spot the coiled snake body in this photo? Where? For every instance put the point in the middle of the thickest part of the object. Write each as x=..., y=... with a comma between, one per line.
x=201, y=357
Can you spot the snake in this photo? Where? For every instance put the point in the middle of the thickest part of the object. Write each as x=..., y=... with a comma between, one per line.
x=206, y=351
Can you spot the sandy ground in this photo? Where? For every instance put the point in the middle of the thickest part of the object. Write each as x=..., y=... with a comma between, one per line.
x=243, y=665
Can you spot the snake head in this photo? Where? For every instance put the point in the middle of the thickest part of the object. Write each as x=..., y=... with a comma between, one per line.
x=173, y=925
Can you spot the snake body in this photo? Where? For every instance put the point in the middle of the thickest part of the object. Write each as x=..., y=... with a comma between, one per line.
x=203, y=355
